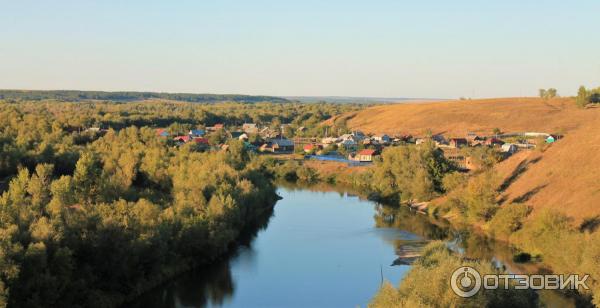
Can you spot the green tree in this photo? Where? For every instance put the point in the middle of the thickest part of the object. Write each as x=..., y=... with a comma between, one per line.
x=582, y=97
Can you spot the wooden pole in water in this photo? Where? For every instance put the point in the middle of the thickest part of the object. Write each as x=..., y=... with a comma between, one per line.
x=381, y=273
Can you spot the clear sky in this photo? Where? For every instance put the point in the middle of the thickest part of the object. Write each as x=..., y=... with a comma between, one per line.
x=413, y=48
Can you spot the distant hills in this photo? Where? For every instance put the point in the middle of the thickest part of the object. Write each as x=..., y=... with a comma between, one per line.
x=359, y=100
x=76, y=95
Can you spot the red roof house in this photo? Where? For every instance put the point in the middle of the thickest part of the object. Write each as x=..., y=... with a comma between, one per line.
x=200, y=140
x=312, y=147
x=182, y=138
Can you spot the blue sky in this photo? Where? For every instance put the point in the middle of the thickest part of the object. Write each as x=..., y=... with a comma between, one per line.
x=381, y=48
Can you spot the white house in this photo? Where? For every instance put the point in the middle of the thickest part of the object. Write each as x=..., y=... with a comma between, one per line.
x=509, y=148
x=382, y=138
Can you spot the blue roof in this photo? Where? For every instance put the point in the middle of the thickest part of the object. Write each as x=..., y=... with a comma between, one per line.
x=197, y=132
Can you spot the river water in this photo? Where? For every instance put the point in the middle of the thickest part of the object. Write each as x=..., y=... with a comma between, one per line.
x=324, y=248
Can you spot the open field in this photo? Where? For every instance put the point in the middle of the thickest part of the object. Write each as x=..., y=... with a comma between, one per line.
x=456, y=118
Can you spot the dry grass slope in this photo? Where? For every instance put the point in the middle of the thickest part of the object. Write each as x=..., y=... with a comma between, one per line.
x=456, y=118
x=565, y=177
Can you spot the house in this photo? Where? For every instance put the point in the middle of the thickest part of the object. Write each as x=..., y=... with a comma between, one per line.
x=358, y=135
x=382, y=138
x=346, y=137
x=348, y=144
x=270, y=133
x=186, y=138
x=280, y=145
x=365, y=155
x=161, y=132
x=250, y=128
x=439, y=139
x=197, y=133
x=329, y=140
x=509, y=148
x=309, y=148
x=493, y=141
x=458, y=142
x=200, y=140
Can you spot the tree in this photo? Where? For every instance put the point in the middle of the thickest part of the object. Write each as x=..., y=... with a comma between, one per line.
x=86, y=179
x=542, y=93
x=582, y=97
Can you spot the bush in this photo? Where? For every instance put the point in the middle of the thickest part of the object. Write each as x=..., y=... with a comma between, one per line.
x=508, y=219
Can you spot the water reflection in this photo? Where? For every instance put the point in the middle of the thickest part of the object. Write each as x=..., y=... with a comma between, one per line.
x=325, y=247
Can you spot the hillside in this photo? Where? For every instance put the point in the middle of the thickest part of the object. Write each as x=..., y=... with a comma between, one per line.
x=456, y=118
x=564, y=177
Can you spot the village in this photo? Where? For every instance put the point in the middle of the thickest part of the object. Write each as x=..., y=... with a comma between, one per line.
x=355, y=148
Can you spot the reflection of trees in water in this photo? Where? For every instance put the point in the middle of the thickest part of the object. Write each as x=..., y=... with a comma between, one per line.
x=402, y=218
x=341, y=189
x=471, y=245
x=477, y=246
x=211, y=284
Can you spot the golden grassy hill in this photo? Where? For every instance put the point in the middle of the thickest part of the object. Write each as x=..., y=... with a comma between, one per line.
x=565, y=177
x=456, y=118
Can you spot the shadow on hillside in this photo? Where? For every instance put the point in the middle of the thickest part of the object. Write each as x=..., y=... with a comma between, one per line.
x=526, y=196
x=520, y=169
x=590, y=224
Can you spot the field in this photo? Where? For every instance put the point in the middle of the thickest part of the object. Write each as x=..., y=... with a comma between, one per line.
x=456, y=118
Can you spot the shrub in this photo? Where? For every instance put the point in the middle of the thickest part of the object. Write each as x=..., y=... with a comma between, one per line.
x=508, y=219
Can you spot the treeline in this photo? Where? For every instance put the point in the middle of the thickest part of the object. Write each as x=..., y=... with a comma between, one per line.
x=177, y=117
x=91, y=220
x=587, y=96
x=405, y=173
x=75, y=95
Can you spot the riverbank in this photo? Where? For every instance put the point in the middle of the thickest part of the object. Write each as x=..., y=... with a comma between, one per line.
x=171, y=273
x=503, y=219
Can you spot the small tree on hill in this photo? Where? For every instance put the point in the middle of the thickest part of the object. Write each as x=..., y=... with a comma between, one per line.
x=581, y=100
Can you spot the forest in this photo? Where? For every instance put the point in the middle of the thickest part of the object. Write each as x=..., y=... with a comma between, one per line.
x=94, y=218
x=74, y=96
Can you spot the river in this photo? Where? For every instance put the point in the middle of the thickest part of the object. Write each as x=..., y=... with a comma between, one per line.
x=324, y=247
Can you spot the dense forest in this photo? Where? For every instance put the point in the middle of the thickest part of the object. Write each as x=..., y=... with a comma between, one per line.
x=74, y=96
x=92, y=218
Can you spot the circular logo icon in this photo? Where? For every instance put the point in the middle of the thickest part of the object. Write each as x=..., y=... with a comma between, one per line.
x=465, y=281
